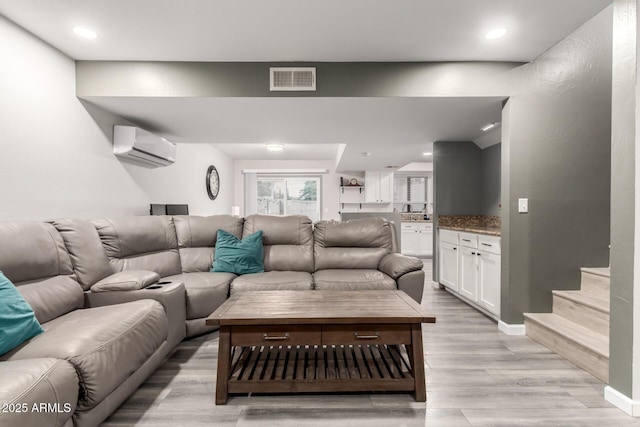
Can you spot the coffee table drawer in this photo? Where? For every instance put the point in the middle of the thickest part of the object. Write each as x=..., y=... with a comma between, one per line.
x=276, y=335
x=366, y=334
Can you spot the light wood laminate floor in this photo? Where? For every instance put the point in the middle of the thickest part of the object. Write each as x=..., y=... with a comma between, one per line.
x=476, y=376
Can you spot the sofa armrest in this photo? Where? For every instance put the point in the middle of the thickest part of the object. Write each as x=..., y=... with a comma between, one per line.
x=396, y=265
x=38, y=383
x=126, y=281
x=171, y=295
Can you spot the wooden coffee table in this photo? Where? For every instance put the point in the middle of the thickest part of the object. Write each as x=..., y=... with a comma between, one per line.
x=320, y=341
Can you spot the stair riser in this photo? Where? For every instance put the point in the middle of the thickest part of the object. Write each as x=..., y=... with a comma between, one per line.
x=595, y=285
x=595, y=364
x=583, y=315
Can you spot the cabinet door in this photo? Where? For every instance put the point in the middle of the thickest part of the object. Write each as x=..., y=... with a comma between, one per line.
x=426, y=241
x=378, y=187
x=489, y=282
x=371, y=186
x=449, y=265
x=410, y=241
x=469, y=273
x=385, y=187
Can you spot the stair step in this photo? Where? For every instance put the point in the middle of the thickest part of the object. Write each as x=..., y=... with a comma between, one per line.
x=596, y=281
x=583, y=347
x=584, y=309
x=598, y=271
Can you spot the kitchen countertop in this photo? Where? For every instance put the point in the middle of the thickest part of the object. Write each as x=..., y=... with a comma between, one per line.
x=481, y=224
x=428, y=221
x=414, y=217
x=490, y=231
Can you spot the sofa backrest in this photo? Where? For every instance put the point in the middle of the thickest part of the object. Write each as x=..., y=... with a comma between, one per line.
x=287, y=241
x=89, y=261
x=140, y=243
x=197, y=237
x=33, y=256
x=357, y=243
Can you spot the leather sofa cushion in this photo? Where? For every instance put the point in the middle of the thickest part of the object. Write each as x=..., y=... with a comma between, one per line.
x=38, y=381
x=273, y=280
x=197, y=237
x=140, y=243
x=358, y=243
x=32, y=250
x=346, y=258
x=90, y=263
x=353, y=280
x=359, y=233
x=104, y=344
x=205, y=291
x=52, y=297
x=287, y=240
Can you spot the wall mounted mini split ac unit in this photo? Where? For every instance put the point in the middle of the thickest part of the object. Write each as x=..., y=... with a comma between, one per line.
x=140, y=146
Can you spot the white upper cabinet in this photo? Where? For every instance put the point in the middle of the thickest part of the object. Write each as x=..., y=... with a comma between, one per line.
x=378, y=187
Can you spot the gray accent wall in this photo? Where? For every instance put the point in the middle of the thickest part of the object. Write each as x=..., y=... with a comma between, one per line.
x=623, y=161
x=457, y=187
x=251, y=79
x=557, y=154
x=490, y=174
x=466, y=181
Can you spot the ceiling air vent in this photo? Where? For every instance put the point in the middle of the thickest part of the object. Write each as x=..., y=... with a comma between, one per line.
x=297, y=78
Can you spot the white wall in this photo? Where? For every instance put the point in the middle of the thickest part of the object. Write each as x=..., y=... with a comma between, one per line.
x=56, y=154
x=185, y=180
x=330, y=181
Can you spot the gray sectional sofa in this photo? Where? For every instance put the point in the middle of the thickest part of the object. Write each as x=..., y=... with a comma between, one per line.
x=116, y=295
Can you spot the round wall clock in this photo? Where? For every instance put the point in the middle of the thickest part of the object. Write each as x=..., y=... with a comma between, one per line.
x=213, y=182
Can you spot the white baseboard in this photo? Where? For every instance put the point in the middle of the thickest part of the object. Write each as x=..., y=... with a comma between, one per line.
x=630, y=406
x=511, y=329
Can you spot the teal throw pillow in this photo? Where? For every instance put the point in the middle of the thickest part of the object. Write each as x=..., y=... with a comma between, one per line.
x=17, y=321
x=238, y=256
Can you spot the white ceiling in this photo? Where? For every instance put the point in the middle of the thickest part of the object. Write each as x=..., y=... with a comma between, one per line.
x=297, y=30
x=394, y=130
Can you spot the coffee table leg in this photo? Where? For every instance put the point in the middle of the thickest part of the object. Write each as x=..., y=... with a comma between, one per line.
x=224, y=362
x=417, y=360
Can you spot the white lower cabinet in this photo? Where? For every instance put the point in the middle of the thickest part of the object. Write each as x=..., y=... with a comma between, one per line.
x=489, y=281
x=469, y=273
x=448, y=256
x=417, y=239
x=472, y=268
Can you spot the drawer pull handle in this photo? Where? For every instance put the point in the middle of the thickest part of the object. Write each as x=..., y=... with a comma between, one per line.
x=276, y=338
x=486, y=244
x=466, y=240
x=367, y=337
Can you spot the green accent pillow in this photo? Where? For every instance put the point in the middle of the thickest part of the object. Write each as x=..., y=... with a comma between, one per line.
x=238, y=256
x=17, y=321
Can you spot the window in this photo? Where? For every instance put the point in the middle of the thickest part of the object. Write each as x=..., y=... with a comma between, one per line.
x=288, y=195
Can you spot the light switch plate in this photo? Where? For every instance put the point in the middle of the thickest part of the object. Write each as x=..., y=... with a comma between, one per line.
x=523, y=205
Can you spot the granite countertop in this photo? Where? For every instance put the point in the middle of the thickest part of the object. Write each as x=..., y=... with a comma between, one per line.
x=413, y=217
x=491, y=231
x=481, y=224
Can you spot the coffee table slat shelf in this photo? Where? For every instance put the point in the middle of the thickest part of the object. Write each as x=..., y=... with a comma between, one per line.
x=320, y=341
x=320, y=368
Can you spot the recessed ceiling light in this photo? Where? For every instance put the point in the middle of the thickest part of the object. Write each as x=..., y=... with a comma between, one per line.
x=427, y=153
x=496, y=33
x=85, y=32
x=275, y=147
x=488, y=126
